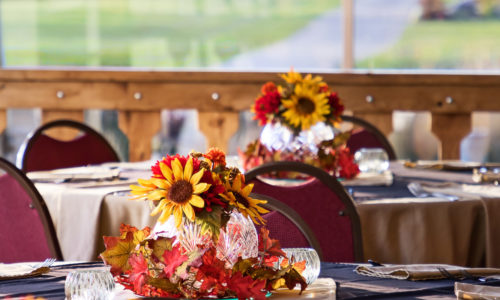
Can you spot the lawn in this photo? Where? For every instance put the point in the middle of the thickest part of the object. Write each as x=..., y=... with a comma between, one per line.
x=147, y=33
x=443, y=45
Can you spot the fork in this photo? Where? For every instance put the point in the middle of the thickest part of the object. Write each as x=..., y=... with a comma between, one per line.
x=46, y=263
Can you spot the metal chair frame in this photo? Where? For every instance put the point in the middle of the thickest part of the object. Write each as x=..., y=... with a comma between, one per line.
x=37, y=203
x=329, y=181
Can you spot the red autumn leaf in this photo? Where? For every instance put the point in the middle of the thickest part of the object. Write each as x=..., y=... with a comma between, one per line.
x=138, y=272
x=212, y=273
x=119, y=248
x=245, y=287
x=173, y=259
x=268, y=245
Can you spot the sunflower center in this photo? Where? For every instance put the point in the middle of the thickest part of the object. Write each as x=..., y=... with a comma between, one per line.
x=305, y=106
x=241, y=199
x=180, y=191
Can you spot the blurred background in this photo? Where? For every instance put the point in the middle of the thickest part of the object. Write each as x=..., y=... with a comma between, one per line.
x=255, y=35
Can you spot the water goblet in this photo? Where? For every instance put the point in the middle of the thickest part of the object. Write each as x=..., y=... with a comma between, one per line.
x=89, y=285
x=310, y=256
x=372, y=160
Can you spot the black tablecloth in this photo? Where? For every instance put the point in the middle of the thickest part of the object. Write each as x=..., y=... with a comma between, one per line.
x=349, y=284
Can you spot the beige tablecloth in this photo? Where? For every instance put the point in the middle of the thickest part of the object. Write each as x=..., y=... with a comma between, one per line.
x=402, y=231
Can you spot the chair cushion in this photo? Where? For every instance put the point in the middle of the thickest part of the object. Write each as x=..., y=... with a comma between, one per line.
x=22, y=233
x=47, y=153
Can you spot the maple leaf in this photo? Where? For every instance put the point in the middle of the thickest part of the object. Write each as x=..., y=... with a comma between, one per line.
x=292, y=278
x=212, y=273
x=245, y=287
x=118, y=249
x=160, y=245
x=138, y=272
x=117, y=252
x=173, y=259
x=269, y=246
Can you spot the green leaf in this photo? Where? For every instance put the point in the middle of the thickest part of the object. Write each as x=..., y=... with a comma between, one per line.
x=210, y=222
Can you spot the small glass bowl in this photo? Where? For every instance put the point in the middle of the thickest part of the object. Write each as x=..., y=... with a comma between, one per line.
x=311, y=257
x=89, y=285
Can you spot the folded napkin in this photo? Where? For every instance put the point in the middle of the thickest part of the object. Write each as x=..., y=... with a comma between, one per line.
x=436, y=189
x=424, y=271
x=20, y=270
x=370, y=179
x=476, y=291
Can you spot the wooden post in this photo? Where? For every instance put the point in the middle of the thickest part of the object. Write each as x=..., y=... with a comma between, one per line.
x=218, y=127
x=450, y=129
x=348, y=12
x=140, y=127
x=64, y=134
x=3, y=120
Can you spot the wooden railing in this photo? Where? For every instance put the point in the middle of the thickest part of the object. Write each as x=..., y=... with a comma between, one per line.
x=139, y=96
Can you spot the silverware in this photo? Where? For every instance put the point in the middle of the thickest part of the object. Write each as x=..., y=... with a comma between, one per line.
x=44, y=264
x=418, y=191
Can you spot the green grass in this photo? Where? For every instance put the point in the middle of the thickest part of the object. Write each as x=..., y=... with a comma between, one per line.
x=148, y=33
x=443, y=45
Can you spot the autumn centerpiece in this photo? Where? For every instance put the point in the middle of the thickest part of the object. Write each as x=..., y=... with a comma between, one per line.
x=299, y=119
x=205, y=243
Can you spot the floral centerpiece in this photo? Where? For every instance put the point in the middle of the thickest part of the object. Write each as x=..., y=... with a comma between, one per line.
x=299, y=118
x=202, y=244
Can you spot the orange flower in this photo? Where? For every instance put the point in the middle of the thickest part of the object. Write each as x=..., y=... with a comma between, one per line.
x=268, y=87
x=217, y=156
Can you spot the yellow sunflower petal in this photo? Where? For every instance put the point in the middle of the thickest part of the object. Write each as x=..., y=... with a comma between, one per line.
x=237, y=184
x=200, y=188
x=167, y=212
x=188, y=211
x=145, y=182
x=159, y=207
x=197, y=201
x=188, y=169
x=247, y=190
x=166, y=171
x=157, y=195
x=178, y=215
x=161, y=183
x=177, y=169
x=197, y=177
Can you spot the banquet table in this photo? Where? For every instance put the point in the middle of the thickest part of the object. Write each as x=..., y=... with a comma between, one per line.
x=396, y=226
x=349, y=285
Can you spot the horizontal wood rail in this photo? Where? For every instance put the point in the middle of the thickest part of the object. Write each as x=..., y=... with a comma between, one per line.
x=140, y=95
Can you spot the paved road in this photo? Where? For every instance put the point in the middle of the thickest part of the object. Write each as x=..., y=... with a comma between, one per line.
x=378, y=25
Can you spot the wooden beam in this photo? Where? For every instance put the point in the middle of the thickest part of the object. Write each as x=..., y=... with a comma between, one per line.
x=450, y=130
x=64, y=134
x=140, y=127
x=218, y=127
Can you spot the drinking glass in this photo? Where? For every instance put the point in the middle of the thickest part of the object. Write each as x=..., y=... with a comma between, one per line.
x=89, y=285
x=311, y=257
x=372, y=160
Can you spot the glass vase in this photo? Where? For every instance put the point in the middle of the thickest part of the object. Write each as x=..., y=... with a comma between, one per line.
x=279, y=137
x=238, y=239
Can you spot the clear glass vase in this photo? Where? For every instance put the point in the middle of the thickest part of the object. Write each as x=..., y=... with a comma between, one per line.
x=238, y=239
x=279, y=137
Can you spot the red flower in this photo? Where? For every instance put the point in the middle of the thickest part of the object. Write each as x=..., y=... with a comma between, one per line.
x=168, y=161
x=217, y=156
x=266, y=104
x=347, y=167
x=335, y=102
x=268, y=87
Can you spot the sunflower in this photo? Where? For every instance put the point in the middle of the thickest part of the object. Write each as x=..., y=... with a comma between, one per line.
x=177, y=192
x=238, y=196
x=305, y=107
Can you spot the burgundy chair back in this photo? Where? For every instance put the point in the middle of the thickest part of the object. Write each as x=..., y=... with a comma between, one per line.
x=367, y=136
x=287, y=226
x=26, y=229
x=42, y=152
x=322, y=203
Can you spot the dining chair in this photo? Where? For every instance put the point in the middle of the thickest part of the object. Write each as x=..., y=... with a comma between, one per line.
x=323, y=204
x=287, y=226
x=26, y=229
x=366, y=135
x=41, y=152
